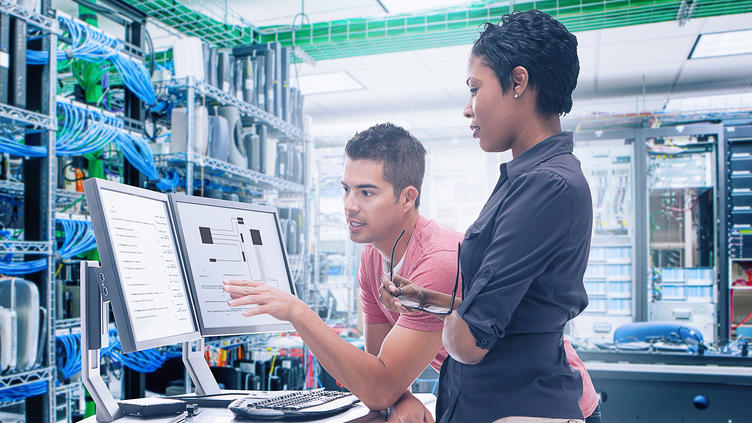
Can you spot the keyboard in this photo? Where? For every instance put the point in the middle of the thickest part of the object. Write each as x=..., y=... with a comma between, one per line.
x=297, y=405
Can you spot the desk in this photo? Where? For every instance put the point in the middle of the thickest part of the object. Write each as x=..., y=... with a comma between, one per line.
x=666, y=393
x=359, y=413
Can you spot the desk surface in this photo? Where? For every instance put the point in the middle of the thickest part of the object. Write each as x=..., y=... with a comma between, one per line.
x=359, y=413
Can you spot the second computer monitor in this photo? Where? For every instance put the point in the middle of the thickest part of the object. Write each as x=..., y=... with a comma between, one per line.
x=224, y=240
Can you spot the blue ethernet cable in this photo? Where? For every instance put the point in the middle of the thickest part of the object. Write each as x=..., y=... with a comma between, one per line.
x=94, y=46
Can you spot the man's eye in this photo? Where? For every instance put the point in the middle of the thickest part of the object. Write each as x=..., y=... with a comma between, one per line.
x=367, y=193
x=473, y=90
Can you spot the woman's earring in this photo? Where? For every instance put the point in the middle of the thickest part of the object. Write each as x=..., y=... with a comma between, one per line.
x=516, y=95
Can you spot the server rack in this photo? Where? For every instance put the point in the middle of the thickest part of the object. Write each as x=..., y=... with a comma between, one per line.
x=37, y=119
x=598, y=323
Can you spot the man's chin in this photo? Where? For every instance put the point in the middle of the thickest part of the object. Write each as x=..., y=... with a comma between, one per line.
x=358, y=238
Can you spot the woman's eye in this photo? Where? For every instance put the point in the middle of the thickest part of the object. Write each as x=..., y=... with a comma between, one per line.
x=473, y=90
x=367, y=193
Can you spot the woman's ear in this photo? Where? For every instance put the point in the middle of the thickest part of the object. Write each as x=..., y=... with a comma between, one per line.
x=520, y=78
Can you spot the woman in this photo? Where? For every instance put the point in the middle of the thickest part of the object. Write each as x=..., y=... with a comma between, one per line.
x=524, y=257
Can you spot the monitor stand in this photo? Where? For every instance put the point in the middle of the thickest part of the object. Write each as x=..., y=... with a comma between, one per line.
x=94, y=336
x=198, y=369
x=207, y=393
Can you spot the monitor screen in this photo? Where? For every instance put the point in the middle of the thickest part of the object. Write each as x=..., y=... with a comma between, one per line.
x=137, y=248
x=223, y=240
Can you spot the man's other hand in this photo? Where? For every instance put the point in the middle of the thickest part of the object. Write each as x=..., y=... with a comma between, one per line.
x=409, y=410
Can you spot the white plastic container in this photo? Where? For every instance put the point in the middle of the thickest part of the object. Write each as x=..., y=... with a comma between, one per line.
x=178, y=138
x=8, y=346
x=22, y=297
x=187, y=55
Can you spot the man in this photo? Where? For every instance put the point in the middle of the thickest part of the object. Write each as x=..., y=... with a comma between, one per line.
x=381, y=184
x=381, y=191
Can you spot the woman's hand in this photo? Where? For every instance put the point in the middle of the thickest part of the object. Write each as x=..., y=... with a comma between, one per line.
x=409, y=409
x=267, y=299
x=399, y=287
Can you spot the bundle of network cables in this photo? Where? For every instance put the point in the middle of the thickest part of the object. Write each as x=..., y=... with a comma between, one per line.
x=78, y=238
x=93, y=46
x=84, y=130
x=16, y=393
x=146, y=361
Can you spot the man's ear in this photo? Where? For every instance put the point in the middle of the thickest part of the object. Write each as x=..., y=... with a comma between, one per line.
x=408, y=197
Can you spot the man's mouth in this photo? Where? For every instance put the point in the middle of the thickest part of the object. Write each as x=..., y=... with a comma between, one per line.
x=354, y=224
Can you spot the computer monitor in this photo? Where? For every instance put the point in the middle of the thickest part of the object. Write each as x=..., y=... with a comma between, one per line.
x=222, y=240
x=143, y=275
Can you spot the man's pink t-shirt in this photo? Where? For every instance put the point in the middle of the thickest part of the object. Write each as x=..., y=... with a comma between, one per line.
x=430, y=261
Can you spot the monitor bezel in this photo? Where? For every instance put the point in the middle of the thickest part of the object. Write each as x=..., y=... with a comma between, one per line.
x=114, y=292
x=282, y=326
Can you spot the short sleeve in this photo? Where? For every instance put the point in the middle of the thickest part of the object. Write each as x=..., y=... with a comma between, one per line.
x=531, y=227
x=372, y=312
x=436, y=271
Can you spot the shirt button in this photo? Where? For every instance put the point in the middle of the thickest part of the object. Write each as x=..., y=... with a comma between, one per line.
x=483, y=342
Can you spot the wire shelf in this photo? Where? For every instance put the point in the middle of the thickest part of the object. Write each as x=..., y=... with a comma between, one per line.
x=26, y=378
x=276, y=125
x=63, y=198
x=67, y=323
x=40, y=21
x=223, y=28
x=25, y=247
x=219, y=166
x=13, y=116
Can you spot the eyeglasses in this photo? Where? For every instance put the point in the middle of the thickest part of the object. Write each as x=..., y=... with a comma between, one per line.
x=391, y=261
x=429, y=308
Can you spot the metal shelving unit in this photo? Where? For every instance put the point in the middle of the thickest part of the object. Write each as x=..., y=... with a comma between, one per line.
x=38, y=192
x=187, y=91
x=191, y=87
x=214, y=166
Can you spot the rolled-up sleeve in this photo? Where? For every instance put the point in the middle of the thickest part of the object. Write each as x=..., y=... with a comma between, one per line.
x=531, y=228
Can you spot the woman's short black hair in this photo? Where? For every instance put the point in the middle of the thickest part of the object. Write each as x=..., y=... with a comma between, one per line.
x=403, y=156
x=542, y=45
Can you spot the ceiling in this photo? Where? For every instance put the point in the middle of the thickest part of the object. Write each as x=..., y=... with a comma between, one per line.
x=623, y=70
x=426, y=88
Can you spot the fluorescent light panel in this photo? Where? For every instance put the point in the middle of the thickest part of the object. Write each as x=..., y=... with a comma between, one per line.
x=715, y=102
x=717, y=44
x=328, y=83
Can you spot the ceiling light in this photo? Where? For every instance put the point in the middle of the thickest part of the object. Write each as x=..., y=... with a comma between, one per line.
x=717, y=44
x=328, y=83
x=398, y=7
x=714, y=102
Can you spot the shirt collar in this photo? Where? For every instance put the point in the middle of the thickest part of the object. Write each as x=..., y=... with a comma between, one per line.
x=561, y=143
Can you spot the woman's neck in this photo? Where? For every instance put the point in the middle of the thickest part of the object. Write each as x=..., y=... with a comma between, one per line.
x=535, y=131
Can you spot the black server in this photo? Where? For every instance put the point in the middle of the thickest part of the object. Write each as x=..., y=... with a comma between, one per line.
x=4, y=56
x=17, y=68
